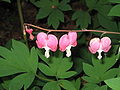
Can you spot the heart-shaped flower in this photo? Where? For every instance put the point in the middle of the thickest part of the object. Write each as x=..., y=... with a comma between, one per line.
x=100, y=45
x=68, y=41
x=48, y=42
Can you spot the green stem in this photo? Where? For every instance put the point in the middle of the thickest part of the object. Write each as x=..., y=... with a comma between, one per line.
x=22, y=21
x=45, y=79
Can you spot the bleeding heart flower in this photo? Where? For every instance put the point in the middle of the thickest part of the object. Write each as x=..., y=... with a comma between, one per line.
x=48, y=42
x=68, y=41
x=30, y=32
x=100, y=45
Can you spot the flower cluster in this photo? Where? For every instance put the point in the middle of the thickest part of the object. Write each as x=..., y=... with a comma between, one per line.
x=50, y=42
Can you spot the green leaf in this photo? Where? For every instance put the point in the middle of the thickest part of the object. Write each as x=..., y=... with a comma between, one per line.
x=107, y=23
x=91, y=79
x=75, y=15
x=103, y=2
x=114, y=1
x=43, y=4
x=67, y=85
x=113, y=83
x=65, y=7
x=51, y=86
x=53, y=20
x=103, y=9
x=115, y=11
x=88, y=69
x=98, y=72
x=42, y=57
x=89, y=86
x=16, y=61
x=36, y=88
x=7, y=1
x=77, y=83
x=22, y=80
x=82, y=18
x=66, y=74
x=108, y=62
x=46, y=70
x=55, y=17
x=110, y=73
x=64, y=65
x=57, y=67
x=91, y=3
x=59, y=15
x=43, y=12
x=104, y=87
x=63, y=2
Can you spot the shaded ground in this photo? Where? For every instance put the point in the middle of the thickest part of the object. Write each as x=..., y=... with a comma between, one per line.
x=9, y=20
x=10, y=23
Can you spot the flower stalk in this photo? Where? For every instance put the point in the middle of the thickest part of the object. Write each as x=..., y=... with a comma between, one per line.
x=21, y=21
x=85, y=30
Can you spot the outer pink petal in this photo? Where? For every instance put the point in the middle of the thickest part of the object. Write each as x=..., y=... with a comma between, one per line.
x=41, y=39
x=92, y=51
x=73, y=38
x=105, y=41
x=64, y=42
x=52, y=42
x=94, y=45
x=107, y=49
x=38, y=45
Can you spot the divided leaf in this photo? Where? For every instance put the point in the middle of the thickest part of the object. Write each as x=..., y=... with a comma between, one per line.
x=19, y=60
x=21, y=80
x=100, y=70
x=53, y=10
x=57, y=67
x=83, y=18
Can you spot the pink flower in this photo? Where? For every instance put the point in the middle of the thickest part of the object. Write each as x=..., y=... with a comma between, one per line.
x=100, y=45
x=48, y=42
x=68, y=41
x=30, y=32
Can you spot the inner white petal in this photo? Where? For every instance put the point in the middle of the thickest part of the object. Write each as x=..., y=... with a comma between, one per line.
x=68, y=51
x=47, y=49
x=99, y=54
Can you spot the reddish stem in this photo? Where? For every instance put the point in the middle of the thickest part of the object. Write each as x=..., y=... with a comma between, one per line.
x=52, y=30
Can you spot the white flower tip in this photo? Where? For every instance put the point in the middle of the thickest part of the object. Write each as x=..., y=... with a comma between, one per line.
x=68, y=51
x=68, y=54
x=47, y=55
x=99, y=54
x=99, y=57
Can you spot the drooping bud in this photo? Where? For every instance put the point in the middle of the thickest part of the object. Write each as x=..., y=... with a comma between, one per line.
x=29, y=31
